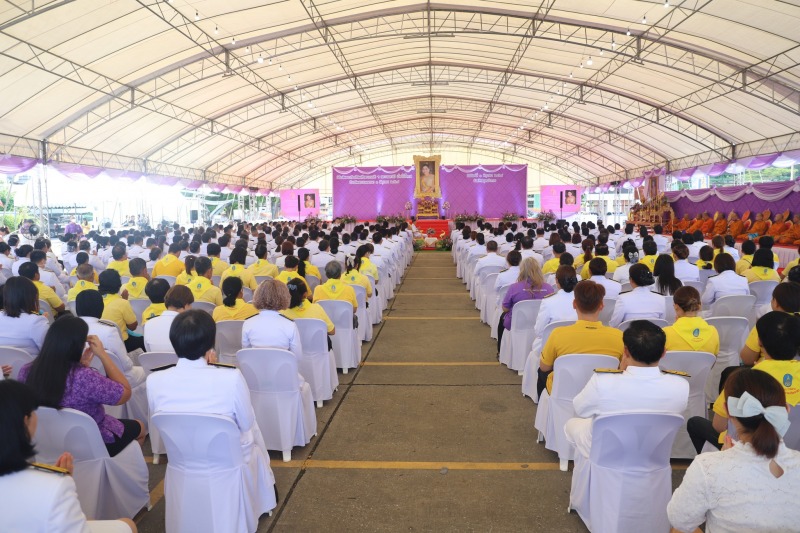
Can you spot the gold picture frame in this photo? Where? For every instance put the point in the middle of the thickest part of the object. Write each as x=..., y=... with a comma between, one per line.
x=423, y=187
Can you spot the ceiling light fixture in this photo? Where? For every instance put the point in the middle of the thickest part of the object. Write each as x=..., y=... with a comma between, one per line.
x=666, y=4
x=589, y=61
x=260, y=58
x=570, y=75
x=216, y=30
x=233, y=40
x=196, y=15
x=628, y=32
x=613, y=45
x=644, y=19
x=581, y=64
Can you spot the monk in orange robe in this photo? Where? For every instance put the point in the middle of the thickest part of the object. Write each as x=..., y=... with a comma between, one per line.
x=792, y=235
x=685, y=222
x=777, y=228
x=708, y=224
x=758, y=227
x=696, y=225
x=735, y=225
x=719, y=227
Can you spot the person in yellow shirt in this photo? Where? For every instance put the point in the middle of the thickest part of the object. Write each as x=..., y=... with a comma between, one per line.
x=169, y=265
x=762, y=267
x=300, y=307
x=601, y=251
x=218, y=265
x=363, y=264
x=139, y=279
x=233, y=305
x=746, y=261
x=791, y=265
x=705, y=260
x=305, y=267
x=352, y=276
x=779, y=339
x=201, y=286
x=262, y=267
x=156, y=289
x=690, y=333
x=120, y=260
x=551, y=265
x=82, y=258
x=335, y=288
x=237, y=269
x=31, y=271
x=86, y=276
x=786, y=299
x=650, y=249
x=290, y=271
x=185, y=277
x=587, y=335
x=117, y=309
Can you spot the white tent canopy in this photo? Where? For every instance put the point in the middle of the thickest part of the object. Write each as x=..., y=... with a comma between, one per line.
x=272, y=94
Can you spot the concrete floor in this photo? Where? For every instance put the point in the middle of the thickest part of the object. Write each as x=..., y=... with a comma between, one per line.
x=431, y=433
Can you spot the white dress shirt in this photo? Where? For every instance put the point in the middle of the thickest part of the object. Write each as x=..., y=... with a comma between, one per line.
x=25, y=332
x=685, y=271
x=156, y=332
x=506, y=277
x=490, y=259
x=729, y=283
x=613, y=288
x=108, y=334
x=638, y=304
x=622, y=273
x=270, y=329
x=530, y=253
x=554, y=308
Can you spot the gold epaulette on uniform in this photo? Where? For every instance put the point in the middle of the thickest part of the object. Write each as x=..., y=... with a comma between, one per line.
x=222, y=365
x=50, y=468
x=608, y=371
x=676, y=373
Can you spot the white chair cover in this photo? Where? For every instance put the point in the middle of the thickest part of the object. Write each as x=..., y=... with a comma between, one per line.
x=478, y=284
x=762, y=290
x=169, y=279
x=72, y=306
x=364, y=323
x=14, y=357
x=208, y=307
x=108, y=487
x=734, y=305
x=215, y=280
x=45, y=308
x=699, y=285
x=313, y=282
x=317, y=365
x=530, y=373
x=281, y=398
x=732, y=332
x=496, y=309
x=625, y=484
x=486, y=304
x=608, y=310
x=375, y=309
x=149, y=361
x=706, y=273
x=247, y=294
x=209, y=485
x=346, y=345
x=260, y=279
x=698, y=366
x=669, y=309
x=139, y=305
x=229, y=340
x=657, y=321
x=517, y=341
x=571, y=373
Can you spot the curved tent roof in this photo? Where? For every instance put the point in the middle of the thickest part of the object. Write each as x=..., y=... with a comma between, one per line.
x=271, y=94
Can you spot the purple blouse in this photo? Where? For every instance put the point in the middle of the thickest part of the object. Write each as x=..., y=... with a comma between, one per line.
x=87, y=390
x=520, y=291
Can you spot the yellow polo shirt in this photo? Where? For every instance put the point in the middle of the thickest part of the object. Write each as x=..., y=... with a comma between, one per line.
x=790, y=266
x=551, y=265
x=761, y=274
x=368, y=268
x=354, y=277
x=692, y=334
x=287, y=275
x=118, y=311
x=135, y=288
x=239, y=271
x=75, y=273
x=218, y=266
x=743, y=264
x=311, y=269
x=204, y=291
x=48, y=295
x=262, y=267
x=610, y=264
x=79, y=287
x=581, y=337
x=336, y=289
x=152, y=311
x=240, y=311
x=309, y=310
x=649, y=261
x=120, y=266
x=169, y=265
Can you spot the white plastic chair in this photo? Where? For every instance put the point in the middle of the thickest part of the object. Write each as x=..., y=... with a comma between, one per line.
x=208, y=307
x=762, y=290
x=699, y=285
x=476, y=291
x=72, y=307
x=733, y=331
x=139, y=305
x=364, y=323
x=626, y=287
x=530, y=373
x=215, y=280
x=149, y=361
x=229, y=340
x=207, y=468
x=261, y=279
x=496, y=309
x=16, y=358
x=706, y=273
x=281, y=399
x=657, y=321
x=375, y=310
x=608, y=310
x=734, y=305
x=317, y=365
x=313, y=282
x=346, y=345
x=486, y=304
x=170, y=279
x=108, y=487
x=571, y=373
x=698, y=366
x=45, y=308
x=625, y=484
x=669, y=309
x=247, y=294
x=517, y=341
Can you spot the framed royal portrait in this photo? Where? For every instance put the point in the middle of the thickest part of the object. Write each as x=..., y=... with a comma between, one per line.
x=427, y=172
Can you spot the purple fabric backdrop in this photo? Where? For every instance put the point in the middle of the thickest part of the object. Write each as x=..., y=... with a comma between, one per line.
x=491, y=190
x=289, y=204
x=748, y=202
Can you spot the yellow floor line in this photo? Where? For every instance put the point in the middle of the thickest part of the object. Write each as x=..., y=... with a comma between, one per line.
x=390, y=317
x=438, y=363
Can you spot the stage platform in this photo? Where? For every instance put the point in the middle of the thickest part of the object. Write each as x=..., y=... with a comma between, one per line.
x=439, y=227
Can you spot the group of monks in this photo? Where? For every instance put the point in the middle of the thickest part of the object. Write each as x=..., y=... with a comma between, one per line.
x=784, y=232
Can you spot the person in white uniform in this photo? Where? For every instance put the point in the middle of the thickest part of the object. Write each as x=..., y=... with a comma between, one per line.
x=598, y=268
x=639, y=303
x=197, y=384
x=21, y=325
x=684, y=270
x=156, y=330
x=527, y=251
x=38, y=498
x=270, y=329
x=509, y=275
x=556, y=307
x=639, y=386
x=726, y=283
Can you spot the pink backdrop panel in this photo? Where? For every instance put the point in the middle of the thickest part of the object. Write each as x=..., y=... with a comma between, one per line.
x=289, y=203
x=551, y=199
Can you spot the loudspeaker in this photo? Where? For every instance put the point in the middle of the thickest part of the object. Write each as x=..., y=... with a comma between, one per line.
x=193, y=216
x=298, y=203
x=561, y=199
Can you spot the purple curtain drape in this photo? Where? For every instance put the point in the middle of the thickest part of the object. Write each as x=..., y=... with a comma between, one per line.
x=12, y=164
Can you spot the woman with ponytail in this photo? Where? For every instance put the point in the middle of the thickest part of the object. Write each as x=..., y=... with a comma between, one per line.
x=640, y=303
x=587, y=246
x=233, y=305
x=352, y=276
x=305, y=267
x=185, y=277
x=752, y=485
x=300, y=307
x=363, y=263
x=690, y=333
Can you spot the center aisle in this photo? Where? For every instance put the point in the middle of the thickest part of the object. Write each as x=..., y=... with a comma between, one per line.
x=431, y=433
